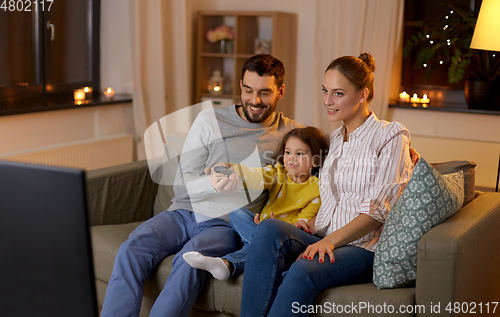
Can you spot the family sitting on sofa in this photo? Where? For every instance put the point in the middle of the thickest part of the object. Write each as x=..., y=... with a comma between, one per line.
x=318, y=220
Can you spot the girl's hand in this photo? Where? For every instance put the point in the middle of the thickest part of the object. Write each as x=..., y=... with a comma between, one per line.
x=308, y=227
x=321, y=247
x=256, y=219
x=257, y=216
x=301, y=224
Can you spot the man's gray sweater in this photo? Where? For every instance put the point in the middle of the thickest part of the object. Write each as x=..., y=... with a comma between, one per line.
x=221, y=135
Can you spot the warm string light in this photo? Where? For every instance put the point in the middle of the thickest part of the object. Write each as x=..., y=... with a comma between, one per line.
x=448, y=41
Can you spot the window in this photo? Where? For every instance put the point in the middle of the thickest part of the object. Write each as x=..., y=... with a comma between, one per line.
x=428, y=11
x=48, y=48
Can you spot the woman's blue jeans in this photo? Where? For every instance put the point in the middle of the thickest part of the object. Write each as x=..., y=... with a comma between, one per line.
x=241, y=221
x=276, y=283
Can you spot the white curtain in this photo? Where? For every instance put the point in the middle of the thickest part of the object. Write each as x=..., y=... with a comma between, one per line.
x=161, y=60
x=350, y=28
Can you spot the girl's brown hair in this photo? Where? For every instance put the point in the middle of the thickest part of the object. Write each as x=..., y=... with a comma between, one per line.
x=359, y=71
x=314, y=138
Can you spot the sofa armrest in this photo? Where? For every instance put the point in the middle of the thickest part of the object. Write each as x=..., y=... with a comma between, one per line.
x=120, y=194
x=458, y=260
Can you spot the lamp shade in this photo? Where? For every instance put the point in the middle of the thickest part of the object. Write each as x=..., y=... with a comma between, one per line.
x=486, y=34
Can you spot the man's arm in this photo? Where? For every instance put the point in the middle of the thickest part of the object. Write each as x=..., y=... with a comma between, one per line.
x=191, y=183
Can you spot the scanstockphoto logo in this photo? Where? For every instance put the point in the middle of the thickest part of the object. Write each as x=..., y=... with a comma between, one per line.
x=177, y=158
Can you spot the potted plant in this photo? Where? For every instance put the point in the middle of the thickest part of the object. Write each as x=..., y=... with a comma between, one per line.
x=447, y=42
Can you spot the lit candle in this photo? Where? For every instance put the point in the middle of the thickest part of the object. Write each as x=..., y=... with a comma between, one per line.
x=415, y=99
x=109, y=93
x=404, y=97
x=79, y=94
x=425, y=99
x=88, y=92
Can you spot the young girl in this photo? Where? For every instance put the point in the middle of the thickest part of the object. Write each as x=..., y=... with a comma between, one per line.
x=293, y=196
x=367, y=168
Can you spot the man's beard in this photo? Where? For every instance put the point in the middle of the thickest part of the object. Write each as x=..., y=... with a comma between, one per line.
x=267, y=112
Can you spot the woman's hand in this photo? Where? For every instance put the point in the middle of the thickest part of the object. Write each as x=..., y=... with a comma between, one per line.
x=355, y=229
x=321, y=247
x=414, y=155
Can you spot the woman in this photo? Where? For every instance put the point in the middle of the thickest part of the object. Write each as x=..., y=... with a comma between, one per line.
x=366, y=170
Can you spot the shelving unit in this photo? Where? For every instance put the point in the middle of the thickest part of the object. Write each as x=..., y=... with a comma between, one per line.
x=278, y=28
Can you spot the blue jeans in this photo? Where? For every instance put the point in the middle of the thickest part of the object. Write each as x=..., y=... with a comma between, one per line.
x=274, y=282
x=241, y=221
x=167, y=233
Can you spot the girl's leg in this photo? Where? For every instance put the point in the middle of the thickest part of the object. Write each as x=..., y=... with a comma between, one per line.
x=242, y=223
x=275, y=246
x=306, y=279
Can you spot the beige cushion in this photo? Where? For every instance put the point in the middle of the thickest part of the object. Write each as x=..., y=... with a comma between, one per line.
x=164, y=175
x=226, y=296
x=106, y=240
x=350, y=295
x=467, y=167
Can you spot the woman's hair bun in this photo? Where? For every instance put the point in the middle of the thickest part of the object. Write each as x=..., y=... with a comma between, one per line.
x=369, y=60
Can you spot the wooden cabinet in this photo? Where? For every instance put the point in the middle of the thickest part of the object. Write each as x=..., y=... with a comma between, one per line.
x=276, y=29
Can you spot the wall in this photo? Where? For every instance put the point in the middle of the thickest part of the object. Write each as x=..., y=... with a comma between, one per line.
x=38, y=130
x=115, y=42
x=444, y=136
x=33, y=131
x=306, y=29
x=116, y=52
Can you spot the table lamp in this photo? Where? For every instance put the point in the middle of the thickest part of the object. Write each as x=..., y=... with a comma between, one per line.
x=215, y=83
x=485, y=35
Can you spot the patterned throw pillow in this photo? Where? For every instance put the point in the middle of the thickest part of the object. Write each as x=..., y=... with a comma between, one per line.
x=428, y=199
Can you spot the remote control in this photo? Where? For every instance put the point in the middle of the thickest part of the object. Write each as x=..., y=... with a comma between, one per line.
x=223, y=170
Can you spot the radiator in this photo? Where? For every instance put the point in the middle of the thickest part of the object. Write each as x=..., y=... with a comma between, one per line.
x=87, y=154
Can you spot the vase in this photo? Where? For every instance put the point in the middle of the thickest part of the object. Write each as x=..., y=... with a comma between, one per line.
x=477, y=94
x=226, y=46
x=223, y=46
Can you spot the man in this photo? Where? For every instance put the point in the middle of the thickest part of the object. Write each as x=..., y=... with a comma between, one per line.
x=231, y=135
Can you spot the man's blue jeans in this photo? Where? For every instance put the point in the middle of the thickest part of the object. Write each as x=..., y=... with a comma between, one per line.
x=275, y=281
x=242, y=222
x=167, y=233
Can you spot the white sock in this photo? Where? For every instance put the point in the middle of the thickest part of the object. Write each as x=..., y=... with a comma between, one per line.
x=215, y=266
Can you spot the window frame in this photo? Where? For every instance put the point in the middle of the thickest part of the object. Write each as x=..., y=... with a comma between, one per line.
x=30, y=97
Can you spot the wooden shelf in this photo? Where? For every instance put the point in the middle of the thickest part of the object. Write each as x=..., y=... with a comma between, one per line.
x=278, y=28
x=207, y=94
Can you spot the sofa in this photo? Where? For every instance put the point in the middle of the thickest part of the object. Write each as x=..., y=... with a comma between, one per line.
x=458, y=264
